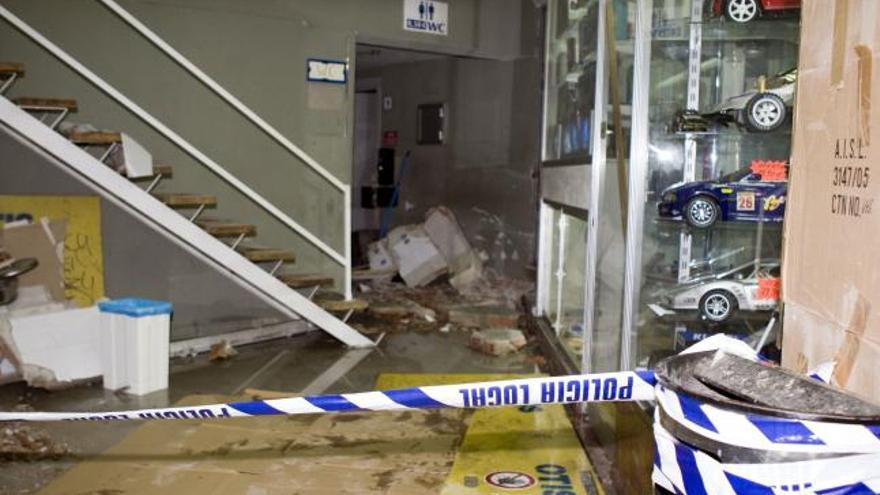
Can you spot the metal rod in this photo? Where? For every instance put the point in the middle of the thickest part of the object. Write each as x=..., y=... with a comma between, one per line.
x=123, y=100
x=638, y=181
x=346, y=232
x=8, y=82
x=237, y=241
x=155, y=183
x=560, y=272
x=595, y=194
x=278, y=264
x=347, y=315
x=314, y=291
x=61, y=115
x=198, y=212
x=107, y=153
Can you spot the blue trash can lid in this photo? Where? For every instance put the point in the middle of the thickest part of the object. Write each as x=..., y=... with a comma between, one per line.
x=132, y=306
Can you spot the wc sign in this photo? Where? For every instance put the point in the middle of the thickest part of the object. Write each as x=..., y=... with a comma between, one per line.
x=426, y=16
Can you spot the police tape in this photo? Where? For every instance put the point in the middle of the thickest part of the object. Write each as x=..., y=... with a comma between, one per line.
x=598, y=387
x=766, y=433
x=682, y=469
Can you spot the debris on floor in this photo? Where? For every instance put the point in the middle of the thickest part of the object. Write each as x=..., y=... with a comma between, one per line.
x=498, y=341
x=222, y=351
x=19, y=442
x=483, y=316
x=422, y=253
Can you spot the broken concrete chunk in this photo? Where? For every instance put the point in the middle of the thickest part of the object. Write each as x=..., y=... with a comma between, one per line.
x=483, y=316
x=222, y=351
x=498, y=341
x=418, y=260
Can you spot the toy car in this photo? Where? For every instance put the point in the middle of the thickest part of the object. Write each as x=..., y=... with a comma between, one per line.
x=740, y=196
x=763, y=109
x=719, y=299
x=748, y=10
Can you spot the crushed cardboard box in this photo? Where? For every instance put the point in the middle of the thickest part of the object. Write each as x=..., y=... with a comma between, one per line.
x=831, y=291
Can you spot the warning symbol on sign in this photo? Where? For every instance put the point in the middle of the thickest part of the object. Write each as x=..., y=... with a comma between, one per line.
x=510, y=480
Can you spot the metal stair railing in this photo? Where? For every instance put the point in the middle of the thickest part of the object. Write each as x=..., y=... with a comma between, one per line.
x=290, y=301
x=128, y=196
x=343, y=258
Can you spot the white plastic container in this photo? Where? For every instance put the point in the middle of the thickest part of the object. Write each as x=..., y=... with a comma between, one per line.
x=134, y=344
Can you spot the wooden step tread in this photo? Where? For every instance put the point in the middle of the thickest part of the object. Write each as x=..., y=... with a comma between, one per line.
x=187, y=200
x=12, y=68
x=342, y=304
x=95, y=137
x=65, y=103
x=305, y=281
x=163, y=170
x=262, y=255
x=227, y=229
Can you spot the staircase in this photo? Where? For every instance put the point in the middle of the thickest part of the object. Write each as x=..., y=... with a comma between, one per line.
x=229, y=245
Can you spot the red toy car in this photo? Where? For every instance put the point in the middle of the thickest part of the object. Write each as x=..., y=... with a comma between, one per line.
x=743, y=11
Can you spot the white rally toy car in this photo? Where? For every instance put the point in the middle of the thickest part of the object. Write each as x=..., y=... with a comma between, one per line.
x=718, y=299
x=763, y=109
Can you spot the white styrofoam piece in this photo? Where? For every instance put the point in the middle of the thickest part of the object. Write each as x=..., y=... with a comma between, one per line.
x=7, y=368
x=138, y=161
x=379, y=256
x=444, y=231
x=417, y=258
x=134, y=352
x=63, y=342
x=33, y=299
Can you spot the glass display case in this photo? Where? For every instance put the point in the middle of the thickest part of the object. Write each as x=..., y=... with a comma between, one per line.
x=661, y=214
x=720, y=97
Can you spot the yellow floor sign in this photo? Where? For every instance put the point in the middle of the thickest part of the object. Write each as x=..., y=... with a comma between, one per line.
x=526, y=450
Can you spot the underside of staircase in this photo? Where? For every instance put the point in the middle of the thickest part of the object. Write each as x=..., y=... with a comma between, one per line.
x=230, y=246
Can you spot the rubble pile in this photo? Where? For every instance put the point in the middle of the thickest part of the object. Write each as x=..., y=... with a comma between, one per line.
x=19, y=442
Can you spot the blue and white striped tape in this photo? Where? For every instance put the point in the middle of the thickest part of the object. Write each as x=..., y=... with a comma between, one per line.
x=598, y=387
x=682, y=469
x=767, y=433
x=849, y=454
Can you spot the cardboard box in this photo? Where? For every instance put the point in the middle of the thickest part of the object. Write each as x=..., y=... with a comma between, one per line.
x=44, y=241
x=831, y=287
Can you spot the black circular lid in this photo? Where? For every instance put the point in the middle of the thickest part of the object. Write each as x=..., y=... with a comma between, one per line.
x=733, y=382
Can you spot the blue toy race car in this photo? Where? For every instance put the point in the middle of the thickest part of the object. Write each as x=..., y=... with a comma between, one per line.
x=740, y=196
